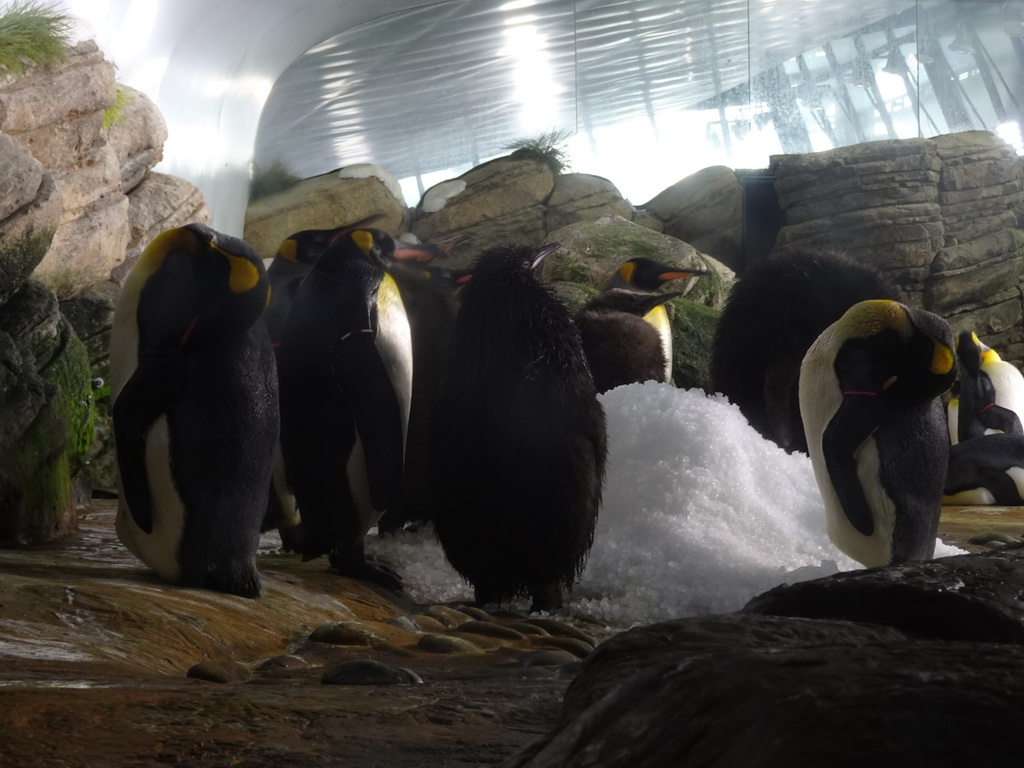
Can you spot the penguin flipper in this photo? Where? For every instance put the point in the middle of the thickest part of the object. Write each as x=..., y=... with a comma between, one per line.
x=152, y=389
x=1003, y=419
x=360, y=373
x=854, y=421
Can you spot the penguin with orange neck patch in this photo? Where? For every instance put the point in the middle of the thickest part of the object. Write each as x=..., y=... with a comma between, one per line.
x=195, y=409
x=345, y=364
x=875, y=428
x=638, y=276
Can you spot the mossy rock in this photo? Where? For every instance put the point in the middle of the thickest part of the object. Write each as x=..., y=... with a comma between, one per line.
x=71, y=373
x=693, y=335
x=18, y=257
x=574, y=295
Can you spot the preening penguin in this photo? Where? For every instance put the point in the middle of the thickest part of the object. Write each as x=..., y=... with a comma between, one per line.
x=876, y=432
x=986, y=470
x=345, y=364
x=645, y=276
x=774, y=312
x=195, y=409
x=991, y=394
x=621, y=346
x=518, y=437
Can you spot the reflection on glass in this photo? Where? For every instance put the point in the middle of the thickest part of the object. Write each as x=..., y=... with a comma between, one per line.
x=650, y=90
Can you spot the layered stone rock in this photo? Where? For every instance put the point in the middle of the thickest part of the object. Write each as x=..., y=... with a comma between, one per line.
x=705, y=210
x=137, y=136
x=503, y=201
x=940, y=216
x=58, y=115
x=322, y=202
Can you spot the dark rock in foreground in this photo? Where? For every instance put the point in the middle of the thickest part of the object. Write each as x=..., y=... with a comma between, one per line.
x=927, y=677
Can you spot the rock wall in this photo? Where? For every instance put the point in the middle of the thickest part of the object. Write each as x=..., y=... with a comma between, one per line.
x=77, y=198
x=944, y=217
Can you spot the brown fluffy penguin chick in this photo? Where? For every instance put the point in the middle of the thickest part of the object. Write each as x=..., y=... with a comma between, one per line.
x=621, y=346
x=518, y=436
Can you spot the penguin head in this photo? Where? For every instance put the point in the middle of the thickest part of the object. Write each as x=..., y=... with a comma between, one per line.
x=197, y=282
x=630, y=302
x=901, y=354
x=306, y=246
x=643, y=274
x=969, y=352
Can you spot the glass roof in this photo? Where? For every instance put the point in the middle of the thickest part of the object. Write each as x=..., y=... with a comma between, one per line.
x=645, y=91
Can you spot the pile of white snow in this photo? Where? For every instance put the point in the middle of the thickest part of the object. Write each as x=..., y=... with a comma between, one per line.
x=700, y=514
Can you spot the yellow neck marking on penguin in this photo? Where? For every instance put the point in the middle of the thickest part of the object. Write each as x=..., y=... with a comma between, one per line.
x=874, y=316
x=267, y=302
x=626, y=272
x=177, y=239
x=244, y=275
x=990, y=356
x=387, y=294
x=943, y=358
x=658, y=317
x=289, y=250
x=364, y=240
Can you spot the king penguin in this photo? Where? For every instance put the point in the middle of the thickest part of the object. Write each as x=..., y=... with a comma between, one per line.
x=991, y=393
x=876, y=432
x=645, y=276
x=428, y=293
x=345, y=364
x=986, y=470
x=621, y=346
x=195, y=409
x=519, y=437
x=774, y=312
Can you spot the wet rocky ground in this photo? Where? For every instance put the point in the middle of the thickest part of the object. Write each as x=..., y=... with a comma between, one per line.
x=103, y=665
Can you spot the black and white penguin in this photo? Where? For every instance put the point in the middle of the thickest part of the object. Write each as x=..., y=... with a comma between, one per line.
x=986, y=470
x=774, y=312
x=429, y=295
x=294, y=259
x=519, y=441
x=621, y=346
x=195, y=409
x=876, y=431
x=991, y=392
x=642, y=275
x=345, y=364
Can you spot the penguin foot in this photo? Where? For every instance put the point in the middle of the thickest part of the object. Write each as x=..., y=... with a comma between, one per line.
x=291, y=538
x=546, y=597
x=361, y=568
x=244, y=583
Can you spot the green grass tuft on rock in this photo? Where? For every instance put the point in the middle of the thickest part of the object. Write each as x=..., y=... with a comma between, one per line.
x=271, y=179
x=115, y=111
x=547, y=148
x=32, y=33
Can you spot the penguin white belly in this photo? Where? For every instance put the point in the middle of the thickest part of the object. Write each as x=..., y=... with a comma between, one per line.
x=1009, y=386
x=658, y=317
x=159, y=549
x=394, y=344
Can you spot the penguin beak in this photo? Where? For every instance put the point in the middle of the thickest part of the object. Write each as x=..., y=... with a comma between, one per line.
x=543, y=253
x=418, y=253
x=449, y=244
x=666, y=276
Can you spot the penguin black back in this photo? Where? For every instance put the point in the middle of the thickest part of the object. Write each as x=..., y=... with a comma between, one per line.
x=346, y=376
x=775, y=311
x=621, y=346
x=518, y=435
x=195, y=409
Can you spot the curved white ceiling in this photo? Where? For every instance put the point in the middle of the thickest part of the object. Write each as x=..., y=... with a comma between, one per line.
x=650, y=90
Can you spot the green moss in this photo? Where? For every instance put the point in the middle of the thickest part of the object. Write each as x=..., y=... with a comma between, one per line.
x=115, y=111
x=547, y=148
x=271, y=179
x=22, y=255
x=32, y=33
x=693, y=334
x=71, y=373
